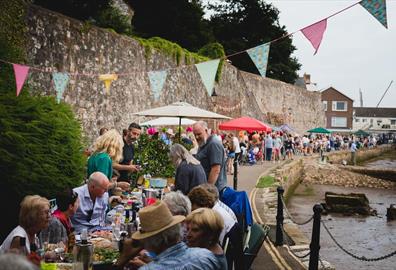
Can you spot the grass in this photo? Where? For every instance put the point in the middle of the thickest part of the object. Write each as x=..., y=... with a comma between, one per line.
x=265, y=181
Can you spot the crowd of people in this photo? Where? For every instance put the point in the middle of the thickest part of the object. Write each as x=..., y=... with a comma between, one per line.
x=189, y=226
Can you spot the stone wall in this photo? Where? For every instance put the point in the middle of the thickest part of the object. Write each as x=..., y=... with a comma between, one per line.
x=361, y=155
x=290, y=175
x=59, y=43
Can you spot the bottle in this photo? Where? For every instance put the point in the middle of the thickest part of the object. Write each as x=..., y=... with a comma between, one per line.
x=22, y=246
x=127, y=216
x=83, y=253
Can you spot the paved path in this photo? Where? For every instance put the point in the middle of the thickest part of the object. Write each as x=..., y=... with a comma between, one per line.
x=269, y=256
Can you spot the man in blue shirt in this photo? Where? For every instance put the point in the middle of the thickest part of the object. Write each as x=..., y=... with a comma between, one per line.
x=160, y=236
x=93, y=202
x=211, y=155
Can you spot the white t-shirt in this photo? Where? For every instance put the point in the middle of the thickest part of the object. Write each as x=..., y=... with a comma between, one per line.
x=235, y=142
x=18, y=231
x=229, y=222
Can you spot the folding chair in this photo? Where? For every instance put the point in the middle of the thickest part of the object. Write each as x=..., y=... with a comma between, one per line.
x=258, y=233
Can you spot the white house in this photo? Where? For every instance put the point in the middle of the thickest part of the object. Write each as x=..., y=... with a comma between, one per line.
x=374, y=119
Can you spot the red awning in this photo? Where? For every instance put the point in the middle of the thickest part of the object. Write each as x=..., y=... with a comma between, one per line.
x=245, y=123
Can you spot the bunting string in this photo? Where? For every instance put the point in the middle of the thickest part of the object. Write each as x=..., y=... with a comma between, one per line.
x=259, y=55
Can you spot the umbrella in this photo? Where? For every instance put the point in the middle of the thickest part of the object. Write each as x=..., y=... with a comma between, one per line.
x=168, y=121
x=361, y=133
x=245, y=123
x=319, y=130
x=181, y=110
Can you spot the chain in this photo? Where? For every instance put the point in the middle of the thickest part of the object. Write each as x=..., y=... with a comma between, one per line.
x=287, y=243
x=288, y=214
x=361, y=258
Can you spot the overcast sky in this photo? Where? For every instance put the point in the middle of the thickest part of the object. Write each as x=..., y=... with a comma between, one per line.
x=356, y=50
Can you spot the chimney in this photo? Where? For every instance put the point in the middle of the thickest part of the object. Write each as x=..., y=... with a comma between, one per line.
x=307, y=78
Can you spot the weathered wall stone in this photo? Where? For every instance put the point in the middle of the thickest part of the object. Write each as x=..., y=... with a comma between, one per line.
x=59, y=43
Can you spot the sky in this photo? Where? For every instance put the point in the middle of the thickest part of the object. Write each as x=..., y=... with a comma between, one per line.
x=356, y=52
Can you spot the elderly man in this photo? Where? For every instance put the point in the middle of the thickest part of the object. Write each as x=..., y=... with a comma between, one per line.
x=125, y=167
x=93, y=202
x=211, y=155
x=160, y=236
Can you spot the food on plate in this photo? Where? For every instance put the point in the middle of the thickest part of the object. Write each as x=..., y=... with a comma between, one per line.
x=100, y=242
x=105, y=255
x=103, y=234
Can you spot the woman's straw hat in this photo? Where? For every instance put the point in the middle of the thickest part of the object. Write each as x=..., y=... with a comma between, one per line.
x=154, y=219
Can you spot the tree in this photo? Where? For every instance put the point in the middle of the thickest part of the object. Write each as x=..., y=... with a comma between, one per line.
x=242, y=24
x=180, y=21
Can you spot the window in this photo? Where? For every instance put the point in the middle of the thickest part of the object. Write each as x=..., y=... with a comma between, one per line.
x=393, y=122
x=339, y=122
x=325, y=106
x=340, y=106
x=364, y=120
x=357, y=120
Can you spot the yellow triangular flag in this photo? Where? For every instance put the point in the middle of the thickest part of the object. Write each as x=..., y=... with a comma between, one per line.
x=107, y=79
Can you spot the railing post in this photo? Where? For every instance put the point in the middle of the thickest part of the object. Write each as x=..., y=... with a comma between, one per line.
x=315, y=240
x=279, y=218
x=235, y=173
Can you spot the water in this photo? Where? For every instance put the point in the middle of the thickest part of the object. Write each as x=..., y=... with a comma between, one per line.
x=370, y=236
x=382, y=164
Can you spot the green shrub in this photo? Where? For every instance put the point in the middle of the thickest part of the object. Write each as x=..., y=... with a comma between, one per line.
x=112, y=18
x=153, y=155
x=40, y=150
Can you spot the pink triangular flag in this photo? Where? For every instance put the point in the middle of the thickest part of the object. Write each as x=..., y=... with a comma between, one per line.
x=314, y=33
x=20, y=76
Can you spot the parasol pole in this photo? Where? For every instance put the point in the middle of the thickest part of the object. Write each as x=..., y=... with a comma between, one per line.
x=180, y=129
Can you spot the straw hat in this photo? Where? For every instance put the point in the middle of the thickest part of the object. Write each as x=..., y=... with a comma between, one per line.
x=154, y=219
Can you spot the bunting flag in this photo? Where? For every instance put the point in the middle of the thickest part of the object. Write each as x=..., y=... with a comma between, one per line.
x=207, y=71
x=21, y=73
x=108, y=79
x=314, y=33
x=157, y=80
x=259, y=56
x=377, y=8
x=60, y=82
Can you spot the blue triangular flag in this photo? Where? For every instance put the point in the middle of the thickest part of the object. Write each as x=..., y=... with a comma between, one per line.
x=207, y=71
x=259, y=56
x=377, y=8
x=157, y=80
x=60, y=82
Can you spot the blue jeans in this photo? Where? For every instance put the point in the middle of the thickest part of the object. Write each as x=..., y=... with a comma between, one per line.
x=268, y=153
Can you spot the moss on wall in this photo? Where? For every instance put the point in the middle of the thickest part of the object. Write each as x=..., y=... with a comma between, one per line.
x=171, y=49
x=12, y=39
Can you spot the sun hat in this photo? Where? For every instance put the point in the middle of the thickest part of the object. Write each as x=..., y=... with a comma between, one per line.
x=170, y=131
x=154, y=219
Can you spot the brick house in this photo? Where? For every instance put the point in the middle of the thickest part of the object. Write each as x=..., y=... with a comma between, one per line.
x=338, y=110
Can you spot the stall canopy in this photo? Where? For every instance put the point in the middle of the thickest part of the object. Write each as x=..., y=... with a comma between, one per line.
x=319, y=130
x=286, y=128
x=245, y=123
x=361, y=133
x=168, y=121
